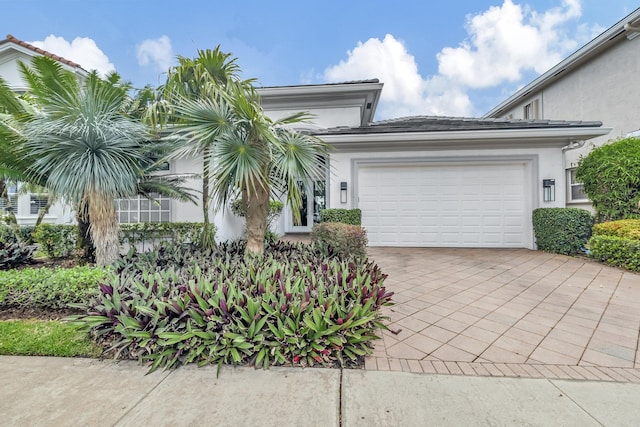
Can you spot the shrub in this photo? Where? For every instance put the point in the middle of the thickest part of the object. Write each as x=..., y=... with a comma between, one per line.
x=14, y=254
x=343, y=240
x=8, y=234
x=618, y=251
x=57, y=240
x=344, y=216
x=627, y=228
x=51, y=289
x=561, y=230
x=178, y=232
x=611, y=178
x=171, y=306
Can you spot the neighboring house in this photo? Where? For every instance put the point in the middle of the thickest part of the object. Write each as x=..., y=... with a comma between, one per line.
x=597, y=82
x=26, y=206
x=420, y=181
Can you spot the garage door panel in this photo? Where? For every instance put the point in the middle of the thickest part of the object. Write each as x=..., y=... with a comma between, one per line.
x=475, y=205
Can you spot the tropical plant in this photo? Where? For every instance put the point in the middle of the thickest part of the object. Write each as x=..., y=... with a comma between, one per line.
x=611, y=178
x=245, y=153
x=87, y=149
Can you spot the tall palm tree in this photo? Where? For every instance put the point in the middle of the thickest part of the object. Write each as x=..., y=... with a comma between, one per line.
x=246, y=153
x=85, y=146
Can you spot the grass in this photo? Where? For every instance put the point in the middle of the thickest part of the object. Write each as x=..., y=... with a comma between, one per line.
x=44, y=338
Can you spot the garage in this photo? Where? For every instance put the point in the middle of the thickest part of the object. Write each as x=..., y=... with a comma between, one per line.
x=445, y=204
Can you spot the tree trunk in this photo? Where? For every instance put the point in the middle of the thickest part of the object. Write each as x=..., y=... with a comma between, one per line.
x=206, y=240
x=105, y=230
x=85, y=244
x=42, y=212
x=257, y=203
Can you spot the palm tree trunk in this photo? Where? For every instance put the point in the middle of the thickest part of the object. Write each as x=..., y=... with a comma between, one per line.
x=257, y=203
x=105, y=230
x=42, y=212
x=206, y=240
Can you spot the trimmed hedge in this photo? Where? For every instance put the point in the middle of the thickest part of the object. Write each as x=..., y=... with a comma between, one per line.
x=344, y=240
x=49, y=289
x=344, y=216
x=562, y=230
x=618, y=251
x=627, y=228
x=178, y=232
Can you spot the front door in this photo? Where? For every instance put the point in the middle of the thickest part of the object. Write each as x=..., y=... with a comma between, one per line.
x=313, y=200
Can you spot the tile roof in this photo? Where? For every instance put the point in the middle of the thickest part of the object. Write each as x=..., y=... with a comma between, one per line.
x=12, y=39
x=442, y=124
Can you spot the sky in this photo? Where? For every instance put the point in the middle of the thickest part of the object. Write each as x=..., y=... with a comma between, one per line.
x=452, y=58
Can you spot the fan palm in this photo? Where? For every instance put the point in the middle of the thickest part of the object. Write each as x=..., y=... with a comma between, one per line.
x=87, y=149
x=245, y=152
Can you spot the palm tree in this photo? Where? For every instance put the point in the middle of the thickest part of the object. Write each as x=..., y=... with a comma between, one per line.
x=244, y=151
x=85, y=146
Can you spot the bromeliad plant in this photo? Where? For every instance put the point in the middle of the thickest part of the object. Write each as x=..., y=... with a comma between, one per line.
x=174, y=306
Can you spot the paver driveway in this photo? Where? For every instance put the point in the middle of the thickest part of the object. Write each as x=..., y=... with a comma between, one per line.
x=512, y=312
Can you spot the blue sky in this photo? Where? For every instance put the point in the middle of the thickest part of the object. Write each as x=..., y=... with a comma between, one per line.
x=436, y=58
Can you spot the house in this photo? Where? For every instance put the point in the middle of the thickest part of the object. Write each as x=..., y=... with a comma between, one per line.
x=420, y=181
x=597, y=82
x=26, y=206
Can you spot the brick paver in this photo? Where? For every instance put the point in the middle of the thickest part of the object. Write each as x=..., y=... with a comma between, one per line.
x=508, y=312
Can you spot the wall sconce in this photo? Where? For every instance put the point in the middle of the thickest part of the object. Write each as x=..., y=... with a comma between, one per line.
x=549, y=190
x=343, y=192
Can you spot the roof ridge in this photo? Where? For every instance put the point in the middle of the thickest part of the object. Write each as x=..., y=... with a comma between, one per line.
x=42, y=52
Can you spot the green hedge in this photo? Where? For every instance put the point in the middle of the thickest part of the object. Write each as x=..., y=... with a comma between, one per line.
x=343, y=240
x=178, y=232
x=344, y=216
x=627, y=228
x=562, y=230
x=618, y=251
x=46, y=288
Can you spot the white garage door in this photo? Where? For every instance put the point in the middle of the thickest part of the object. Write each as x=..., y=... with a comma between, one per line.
x=460, y=205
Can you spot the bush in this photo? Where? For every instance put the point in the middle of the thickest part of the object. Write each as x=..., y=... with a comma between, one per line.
x=171, y=306
x=57, y=240
x=14, y=254
x=611, y=178
x=344, y=240
x=561, y=230
x=618, y=251
x=627, y=228
x=178, y=232
x=49, y=289
x=344, y=216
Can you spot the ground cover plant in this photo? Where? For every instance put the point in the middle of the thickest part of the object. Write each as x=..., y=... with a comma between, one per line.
x=180, y=304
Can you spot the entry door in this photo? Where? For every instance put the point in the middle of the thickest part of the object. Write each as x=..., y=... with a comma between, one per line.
x=313, y=200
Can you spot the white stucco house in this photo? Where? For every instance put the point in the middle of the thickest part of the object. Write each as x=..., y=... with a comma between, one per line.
x=597, y=82
x=419, y=181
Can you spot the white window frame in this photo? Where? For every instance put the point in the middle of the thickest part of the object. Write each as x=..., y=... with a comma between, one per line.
x=530, y=110
x=571, y=184
x=37, y=201
x=140, y=209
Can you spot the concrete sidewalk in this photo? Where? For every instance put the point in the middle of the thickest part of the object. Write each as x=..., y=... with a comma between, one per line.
x=39, y=391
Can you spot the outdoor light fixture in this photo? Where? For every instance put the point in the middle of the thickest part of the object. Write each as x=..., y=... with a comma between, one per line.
x=549, y=190
x=343, y=192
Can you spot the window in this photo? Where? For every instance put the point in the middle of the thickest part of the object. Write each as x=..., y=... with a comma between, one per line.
x=141, y=209
x=530, y=111
x=38, y=201
x=576, y=189
x=12, y=203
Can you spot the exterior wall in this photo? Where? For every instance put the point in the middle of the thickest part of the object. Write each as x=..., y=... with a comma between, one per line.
x=549, y=165
x=605, y=89
x=323, y=117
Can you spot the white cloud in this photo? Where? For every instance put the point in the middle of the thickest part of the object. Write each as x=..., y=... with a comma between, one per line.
x=405, y=91
x=504, y=43
x=81, y=50
x=157, y=52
